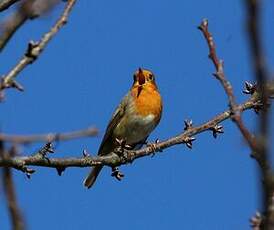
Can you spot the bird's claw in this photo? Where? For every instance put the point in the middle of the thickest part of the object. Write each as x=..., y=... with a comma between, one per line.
x=122, y=143
x=117, y=173
x=122, y=150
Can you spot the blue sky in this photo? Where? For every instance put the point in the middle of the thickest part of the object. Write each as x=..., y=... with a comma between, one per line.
x=81, y=77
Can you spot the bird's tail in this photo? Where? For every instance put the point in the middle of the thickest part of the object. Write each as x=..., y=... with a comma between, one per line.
x=91, y=178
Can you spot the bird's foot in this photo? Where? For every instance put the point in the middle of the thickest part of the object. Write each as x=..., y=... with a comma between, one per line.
x=117, y=173
x=122, y=150
x=122, y=144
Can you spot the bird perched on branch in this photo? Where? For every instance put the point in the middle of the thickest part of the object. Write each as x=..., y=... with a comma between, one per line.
x=133, y=120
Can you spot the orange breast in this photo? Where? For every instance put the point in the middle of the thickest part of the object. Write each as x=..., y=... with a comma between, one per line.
x=148, y=101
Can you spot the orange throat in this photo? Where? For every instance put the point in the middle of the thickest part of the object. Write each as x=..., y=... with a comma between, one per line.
x=148, y=100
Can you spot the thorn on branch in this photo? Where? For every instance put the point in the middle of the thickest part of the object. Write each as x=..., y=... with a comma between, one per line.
x=28, y=171
x=4, y=83
x=16, y=85
x=60, y=170
x=188, y=141
x=188, y=124
x=30, y=50
x=217, y=129
x=250, y=88
x=86, y=153
x=117, y=173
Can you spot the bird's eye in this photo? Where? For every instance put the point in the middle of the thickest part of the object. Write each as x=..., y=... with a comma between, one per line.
x=150, y=77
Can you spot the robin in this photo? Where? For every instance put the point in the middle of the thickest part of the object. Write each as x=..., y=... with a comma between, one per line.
x=133, y=120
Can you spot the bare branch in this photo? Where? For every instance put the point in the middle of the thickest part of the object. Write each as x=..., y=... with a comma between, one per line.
x=14, y=22
x=49, y=137
x=259, y=146
x=220, y=75
x=28, y=9
x=14, y=211
x=260, y=69
x=24, y=11
x=115, y=159
x=5, y=4
x=35, y=49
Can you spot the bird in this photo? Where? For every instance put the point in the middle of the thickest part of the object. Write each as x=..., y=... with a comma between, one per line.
x=134, y=119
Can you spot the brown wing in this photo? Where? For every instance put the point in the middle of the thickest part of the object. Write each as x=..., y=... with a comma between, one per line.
x=107, y=142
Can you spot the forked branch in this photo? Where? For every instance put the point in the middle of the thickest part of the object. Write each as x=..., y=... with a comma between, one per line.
x=33, y=51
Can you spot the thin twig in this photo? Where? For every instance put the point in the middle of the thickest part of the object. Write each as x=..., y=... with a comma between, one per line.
x=49, y=137
x=259, y=146
x=34, y=50
x=220, y=75
x=27, y=9
x=113, y=159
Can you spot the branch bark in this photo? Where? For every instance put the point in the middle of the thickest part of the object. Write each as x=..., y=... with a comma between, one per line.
x=260, y=69
x=5, y=4
x=126, y=156
x=220, y=75
x=24, y=11
x=17, y=221
x=14, y=211
x=14, y=22
x=49, y=137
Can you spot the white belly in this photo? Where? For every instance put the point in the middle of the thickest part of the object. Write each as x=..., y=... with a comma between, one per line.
x=136, y=130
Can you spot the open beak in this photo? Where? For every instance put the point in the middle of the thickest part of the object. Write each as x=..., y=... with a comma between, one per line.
x=141, y=77
x=141, y=81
